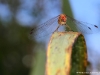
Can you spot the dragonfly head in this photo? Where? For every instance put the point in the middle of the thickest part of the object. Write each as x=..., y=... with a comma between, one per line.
x=62, y=19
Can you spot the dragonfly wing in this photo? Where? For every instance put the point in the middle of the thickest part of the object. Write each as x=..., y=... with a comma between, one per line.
x=84, y=27
x=45, y=28
x=88, y=28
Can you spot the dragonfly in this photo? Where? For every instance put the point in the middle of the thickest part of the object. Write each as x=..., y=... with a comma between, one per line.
x=54, y=23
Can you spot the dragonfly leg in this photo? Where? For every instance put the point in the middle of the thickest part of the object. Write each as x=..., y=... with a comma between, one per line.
x=69, y=29
x=57, y=28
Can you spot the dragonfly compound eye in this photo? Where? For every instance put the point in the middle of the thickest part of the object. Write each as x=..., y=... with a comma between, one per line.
x=62, y=19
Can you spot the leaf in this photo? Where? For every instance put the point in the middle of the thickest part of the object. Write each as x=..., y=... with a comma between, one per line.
x=66, y=54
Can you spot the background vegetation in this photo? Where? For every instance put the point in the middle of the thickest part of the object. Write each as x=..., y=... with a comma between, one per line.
x=18, y=52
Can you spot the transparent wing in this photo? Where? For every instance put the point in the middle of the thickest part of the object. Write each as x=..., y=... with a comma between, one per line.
x=84, y=27
x=45, y=28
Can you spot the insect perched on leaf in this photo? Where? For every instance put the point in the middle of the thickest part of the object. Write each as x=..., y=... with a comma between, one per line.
x=53, y=24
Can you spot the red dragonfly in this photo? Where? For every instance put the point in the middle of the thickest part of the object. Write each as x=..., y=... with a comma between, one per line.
x=53, y=24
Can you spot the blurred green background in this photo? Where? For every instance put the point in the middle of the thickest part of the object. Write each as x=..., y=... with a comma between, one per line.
x=18, y=52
